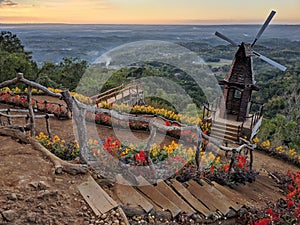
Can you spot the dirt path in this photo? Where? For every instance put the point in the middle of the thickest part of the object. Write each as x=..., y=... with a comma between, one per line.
x=30, y=193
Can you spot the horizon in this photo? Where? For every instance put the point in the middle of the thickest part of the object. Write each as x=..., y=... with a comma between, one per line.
x=158, y=24
x=167, y=12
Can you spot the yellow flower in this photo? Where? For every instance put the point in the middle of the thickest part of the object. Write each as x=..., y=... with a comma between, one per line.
x=56, y=139
x=255, y=140
x=265, y=144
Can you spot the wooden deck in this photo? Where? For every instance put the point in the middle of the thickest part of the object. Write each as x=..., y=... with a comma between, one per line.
x=206, y=199
x=128, y=94
x=229, y=129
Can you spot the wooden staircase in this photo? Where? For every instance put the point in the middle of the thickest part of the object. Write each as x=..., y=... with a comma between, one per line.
x=225, y=131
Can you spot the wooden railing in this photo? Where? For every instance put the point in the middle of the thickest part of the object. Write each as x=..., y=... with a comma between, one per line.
x=6, y=113
x=211, y=109
x=121, y=91
x=255, y=118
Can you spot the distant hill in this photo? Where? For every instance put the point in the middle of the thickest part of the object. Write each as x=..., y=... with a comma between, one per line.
x=52, y=42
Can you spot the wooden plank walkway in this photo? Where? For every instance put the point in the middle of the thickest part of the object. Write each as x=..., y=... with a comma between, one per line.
x=167, y=191
x=99, y=201
x=202, y=209
x=128, y=195
x=208, y=199
x=160, y=199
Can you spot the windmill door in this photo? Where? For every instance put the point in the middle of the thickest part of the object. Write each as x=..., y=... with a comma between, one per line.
x=233, y=101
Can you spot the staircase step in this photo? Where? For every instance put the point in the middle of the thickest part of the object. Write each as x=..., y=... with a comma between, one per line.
x=228, y=124
x=224, y=138
x=225, y=129
x=215, y=130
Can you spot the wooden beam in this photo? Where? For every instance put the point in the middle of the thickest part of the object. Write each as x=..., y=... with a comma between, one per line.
x=99, y=201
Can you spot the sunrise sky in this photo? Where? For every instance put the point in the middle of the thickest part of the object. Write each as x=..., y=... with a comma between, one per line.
x=148, y=11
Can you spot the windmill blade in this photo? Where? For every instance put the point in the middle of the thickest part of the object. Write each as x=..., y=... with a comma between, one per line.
x=270, y=61
x=262, y=29
x=226, y=38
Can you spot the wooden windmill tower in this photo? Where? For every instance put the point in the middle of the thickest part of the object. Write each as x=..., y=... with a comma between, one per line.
x=239, y=82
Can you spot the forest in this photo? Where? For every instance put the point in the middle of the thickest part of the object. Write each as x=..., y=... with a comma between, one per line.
x=279, y=91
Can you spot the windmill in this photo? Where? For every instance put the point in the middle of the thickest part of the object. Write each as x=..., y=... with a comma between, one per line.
x=239, y=82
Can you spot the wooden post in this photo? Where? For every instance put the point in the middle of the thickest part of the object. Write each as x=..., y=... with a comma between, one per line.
x=79, y=119
x=199, y=143
x=48, y=125
x=31, y=112
x=8, y=118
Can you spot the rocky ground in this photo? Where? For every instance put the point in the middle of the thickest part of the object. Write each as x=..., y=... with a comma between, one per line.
x=30, y=192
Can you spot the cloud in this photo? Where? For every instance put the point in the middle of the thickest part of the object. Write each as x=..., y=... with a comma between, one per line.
x=7, y=3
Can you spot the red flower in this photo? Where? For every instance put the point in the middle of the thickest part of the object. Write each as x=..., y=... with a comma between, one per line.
x=212, y=168
x=270, y=212
x=168, y=123
x=297, y=211
x=290, y=204
x=226, y=168
x=291, y=194
x=264, y=221
x=241, y=161
x=140, y=157
x=291, y=187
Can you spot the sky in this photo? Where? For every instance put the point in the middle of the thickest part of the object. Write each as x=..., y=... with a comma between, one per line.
x=149, y=11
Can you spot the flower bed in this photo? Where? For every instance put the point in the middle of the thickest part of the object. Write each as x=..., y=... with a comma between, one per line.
x=59, y=147
x=281, y=152
x=284, y=211
x=57, y=109
x=167, y=114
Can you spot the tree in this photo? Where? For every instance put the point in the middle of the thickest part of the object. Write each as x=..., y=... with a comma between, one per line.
x=13, y=58
x=10, y=42
x=66, y=74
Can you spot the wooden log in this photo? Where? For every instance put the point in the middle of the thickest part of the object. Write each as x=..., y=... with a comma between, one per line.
x=79, y=118
x=8, y=118
x=59, y=164
x=20, y=79
x=26, y=116
x=31, y=113
x=48, y=126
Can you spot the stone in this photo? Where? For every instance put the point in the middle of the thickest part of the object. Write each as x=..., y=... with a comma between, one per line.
x=31, y=217
x=34, y=184
x=9, y=215
x=116, y=222
x=13, y=197
x=42, y=185
x=103, y=216
x=46, y=194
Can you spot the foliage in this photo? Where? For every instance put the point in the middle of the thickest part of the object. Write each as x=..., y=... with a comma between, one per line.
x=282, y=152
x=10, y=43
x=284, y=211
x=59, y=110
x=59, y=147
x=66, y=74
x=167, y=114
